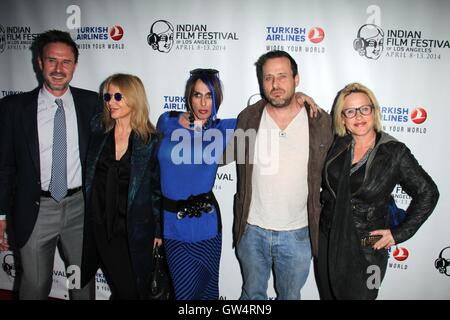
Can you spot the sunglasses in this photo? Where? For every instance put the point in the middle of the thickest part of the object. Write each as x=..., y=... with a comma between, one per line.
x=200, y=71
x=117, y=96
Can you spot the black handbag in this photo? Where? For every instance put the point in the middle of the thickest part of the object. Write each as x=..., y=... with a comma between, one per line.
x=160, y=282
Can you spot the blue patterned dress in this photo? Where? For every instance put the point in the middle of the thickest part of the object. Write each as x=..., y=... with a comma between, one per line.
x=189, y=161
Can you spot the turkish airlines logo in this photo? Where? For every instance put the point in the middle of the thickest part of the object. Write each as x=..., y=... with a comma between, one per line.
x=400, y=254
x=316, y=35
x=419, y=115
x=116, y=33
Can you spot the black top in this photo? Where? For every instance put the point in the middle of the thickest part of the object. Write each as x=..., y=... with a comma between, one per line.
x=110, y=188
x=356, y=179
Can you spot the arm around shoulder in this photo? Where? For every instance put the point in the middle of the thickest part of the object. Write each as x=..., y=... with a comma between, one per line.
x=327, y=127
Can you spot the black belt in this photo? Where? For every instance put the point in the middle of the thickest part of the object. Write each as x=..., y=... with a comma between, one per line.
x=192, y=206
x=70, y=192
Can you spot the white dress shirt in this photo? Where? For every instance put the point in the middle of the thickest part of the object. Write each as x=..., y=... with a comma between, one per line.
x=45, y=119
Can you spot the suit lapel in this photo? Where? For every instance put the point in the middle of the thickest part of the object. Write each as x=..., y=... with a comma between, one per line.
x=140, y=157
x=97, y=143
x=29, y=121
x=82, y=122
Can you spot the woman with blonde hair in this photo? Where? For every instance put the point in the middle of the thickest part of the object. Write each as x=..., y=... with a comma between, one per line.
x=361, y=170
x=122, y=188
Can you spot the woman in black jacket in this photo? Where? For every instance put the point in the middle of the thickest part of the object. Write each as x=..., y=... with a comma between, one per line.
x=362, y=168
x=123, y=192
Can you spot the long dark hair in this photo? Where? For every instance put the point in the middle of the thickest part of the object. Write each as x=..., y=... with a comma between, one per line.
x=210, y=77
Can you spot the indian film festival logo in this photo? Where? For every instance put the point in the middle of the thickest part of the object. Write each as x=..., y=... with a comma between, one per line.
x=165, y=36
x=443, y=261
x=369, y=41
x=2, y=38
x=372, y=42
x=402, y=199
x=404, y=119
x=224, y=178
x=16, y=37
x=161, y=36
x=294, y=39
x=9, y=266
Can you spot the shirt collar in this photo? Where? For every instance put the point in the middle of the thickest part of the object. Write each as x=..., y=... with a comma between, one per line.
x=51, y=98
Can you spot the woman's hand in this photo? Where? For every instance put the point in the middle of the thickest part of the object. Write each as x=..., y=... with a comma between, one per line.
x=386, y=241
x=4, y=246
x=157, y=242
x=301, y=98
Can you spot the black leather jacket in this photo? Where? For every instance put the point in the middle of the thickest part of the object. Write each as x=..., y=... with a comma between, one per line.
x=390, y=163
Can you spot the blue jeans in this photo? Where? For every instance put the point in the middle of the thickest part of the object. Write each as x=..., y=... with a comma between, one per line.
x=288, y=252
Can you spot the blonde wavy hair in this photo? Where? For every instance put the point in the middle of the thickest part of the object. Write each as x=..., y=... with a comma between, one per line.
x=133, y=91
x=355, y=87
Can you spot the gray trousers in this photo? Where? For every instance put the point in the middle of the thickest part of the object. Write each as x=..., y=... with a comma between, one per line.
x=58, y=224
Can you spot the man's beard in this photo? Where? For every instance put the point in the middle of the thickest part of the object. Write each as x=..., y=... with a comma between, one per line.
x=58, y=87
x=280, y=102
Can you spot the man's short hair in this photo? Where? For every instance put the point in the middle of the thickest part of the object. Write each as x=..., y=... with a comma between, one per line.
x=271, y=55
x=53, y=36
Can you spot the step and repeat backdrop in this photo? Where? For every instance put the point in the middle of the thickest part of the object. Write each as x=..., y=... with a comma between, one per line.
x=400, y=49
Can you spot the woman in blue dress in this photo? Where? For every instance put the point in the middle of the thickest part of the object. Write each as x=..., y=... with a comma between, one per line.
x=189, y=154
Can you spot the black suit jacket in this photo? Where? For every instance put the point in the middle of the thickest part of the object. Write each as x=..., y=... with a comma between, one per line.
x=20, y=182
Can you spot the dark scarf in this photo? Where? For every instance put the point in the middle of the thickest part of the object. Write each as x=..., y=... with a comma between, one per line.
x=347, y=265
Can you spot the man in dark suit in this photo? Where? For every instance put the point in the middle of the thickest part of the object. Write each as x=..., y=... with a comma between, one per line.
x=44, y=136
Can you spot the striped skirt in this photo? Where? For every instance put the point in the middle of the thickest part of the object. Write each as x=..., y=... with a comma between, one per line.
x=194, y=267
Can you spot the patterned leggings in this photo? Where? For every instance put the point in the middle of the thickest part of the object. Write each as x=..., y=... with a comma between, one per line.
x=194, y=267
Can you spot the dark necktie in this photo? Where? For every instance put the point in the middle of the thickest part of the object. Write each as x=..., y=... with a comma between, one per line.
x=58, y=181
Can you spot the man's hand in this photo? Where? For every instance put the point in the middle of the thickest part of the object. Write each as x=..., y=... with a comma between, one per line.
x=4, y=246
x=302, y=98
